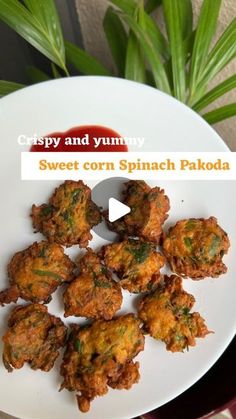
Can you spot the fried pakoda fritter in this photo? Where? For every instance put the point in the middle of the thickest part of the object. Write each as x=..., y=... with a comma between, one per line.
x=149, y=207
x=166, y=315
x=195, y=247
x=136, y=263
x=93, y=293
x=69, y=216
x=34, y=336
x=101, y=355
x=36, y=272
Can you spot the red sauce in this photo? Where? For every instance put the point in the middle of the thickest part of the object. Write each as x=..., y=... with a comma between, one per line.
x=92, y=131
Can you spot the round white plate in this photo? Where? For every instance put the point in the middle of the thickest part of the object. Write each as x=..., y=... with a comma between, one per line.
x=132, y=110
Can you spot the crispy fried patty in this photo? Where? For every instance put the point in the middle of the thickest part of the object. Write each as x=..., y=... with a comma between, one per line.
x=195, y=247
x=136, y=263
x=69, y=216
x=33, y=336
x=166, y=315
x=36, y=272
x=101, y=355
x=149, y=207
x=93, y=293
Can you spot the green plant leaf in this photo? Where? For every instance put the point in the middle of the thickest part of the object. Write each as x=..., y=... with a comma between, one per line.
x=204, y=34
x=173, y=20
x=135, y=62
x=149, y=78
x=7, y=87
x=188, y=45
x=150, y=52
x=116, y=38
x=55, y=72
x=214, y=94
x=128, y=6
x=158, y=39
x=186, y=17
x=83, y=62
x=21, y=20
x=218, y=115
x=222, y=53
x=36, y=75
x=152, y=5
x=45, y=12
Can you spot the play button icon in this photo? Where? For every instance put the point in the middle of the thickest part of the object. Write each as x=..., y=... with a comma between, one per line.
x=107, y=195
x=116, y=210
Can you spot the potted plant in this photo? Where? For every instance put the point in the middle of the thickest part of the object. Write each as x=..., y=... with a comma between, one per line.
x=182, y=64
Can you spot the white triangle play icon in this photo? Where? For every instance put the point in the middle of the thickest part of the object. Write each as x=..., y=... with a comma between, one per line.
x=117, y=210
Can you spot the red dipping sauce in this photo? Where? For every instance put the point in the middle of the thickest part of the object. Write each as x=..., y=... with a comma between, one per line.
x=80, y=132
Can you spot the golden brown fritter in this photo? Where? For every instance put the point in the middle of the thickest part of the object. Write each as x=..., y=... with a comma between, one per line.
x=69, y=216
x=101, y=355
x=149, y=207
x=166, y=315
x=126, y=376
x=36, y=272
x=93, y=293
x=136, y=263
x=34, y=336
x=195, y=247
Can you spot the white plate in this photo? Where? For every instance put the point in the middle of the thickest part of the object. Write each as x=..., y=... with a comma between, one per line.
x=132, y=110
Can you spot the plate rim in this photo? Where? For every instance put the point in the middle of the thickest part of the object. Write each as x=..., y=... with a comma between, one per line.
x=218, y=139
